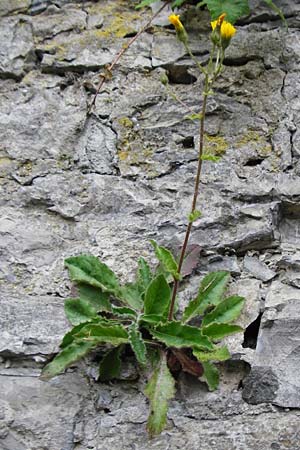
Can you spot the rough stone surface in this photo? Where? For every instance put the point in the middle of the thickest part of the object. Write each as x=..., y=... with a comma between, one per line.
x=107, y=183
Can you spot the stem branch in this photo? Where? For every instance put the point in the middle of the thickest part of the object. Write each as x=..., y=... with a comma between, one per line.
x=103, y=78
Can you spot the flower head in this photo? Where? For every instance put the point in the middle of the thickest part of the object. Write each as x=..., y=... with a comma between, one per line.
x=175, y=20
x=180, y=30
x=223, y=29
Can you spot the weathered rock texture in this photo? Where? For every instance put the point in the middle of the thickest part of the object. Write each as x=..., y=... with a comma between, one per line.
x=109, y=182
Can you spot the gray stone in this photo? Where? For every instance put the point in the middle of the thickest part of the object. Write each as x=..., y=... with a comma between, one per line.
x=16, y=47
x=261, y=386
x=258, y=269
x=13, y=6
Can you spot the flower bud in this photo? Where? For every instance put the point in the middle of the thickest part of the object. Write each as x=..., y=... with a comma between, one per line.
x=180, y=30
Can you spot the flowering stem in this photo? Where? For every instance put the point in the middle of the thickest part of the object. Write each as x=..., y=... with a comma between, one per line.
x=109, y=69
x=195, y=196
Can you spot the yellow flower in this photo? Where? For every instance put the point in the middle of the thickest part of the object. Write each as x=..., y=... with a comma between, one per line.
x=175, y=20
x=227, y=30
x=223, y=30
x=180, y=30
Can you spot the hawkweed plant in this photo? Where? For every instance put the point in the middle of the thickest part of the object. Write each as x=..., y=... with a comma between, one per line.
x=142, y=314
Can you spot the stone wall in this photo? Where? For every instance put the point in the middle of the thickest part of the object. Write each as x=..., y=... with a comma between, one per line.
x=108, y=183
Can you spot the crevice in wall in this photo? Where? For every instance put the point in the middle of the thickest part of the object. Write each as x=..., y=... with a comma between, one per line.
x=251, y=333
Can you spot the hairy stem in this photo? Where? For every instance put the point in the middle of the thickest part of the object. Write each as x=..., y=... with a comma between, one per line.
x=195, y=196
x=109, y=68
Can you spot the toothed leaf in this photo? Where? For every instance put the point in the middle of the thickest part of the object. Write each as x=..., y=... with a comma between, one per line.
x=89, y=270
x=217, y=331
x=78, y=311
x=226, y=311
x=167, y=260
x=174, y=334
x=137, y=344
x=159, y=390
x=211, y=375
x=157, y=296
x=210, y=292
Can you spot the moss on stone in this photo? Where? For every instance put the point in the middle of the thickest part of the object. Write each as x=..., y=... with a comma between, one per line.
x=215, y=145
x=125, y=122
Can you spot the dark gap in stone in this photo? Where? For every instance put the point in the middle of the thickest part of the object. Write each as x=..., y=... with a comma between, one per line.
x=130, y=34
x=240, y=61
x=251, y=333
x=180, y=75
x=188, y=142
x=254, y=162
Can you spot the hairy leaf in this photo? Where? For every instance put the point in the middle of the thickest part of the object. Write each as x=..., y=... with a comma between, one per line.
x=110, y=366
x=78, y=311
x=123, y=312
x=159, y=390
x=144, y=274
x=226, y=311
x=211, y=375
x=69, y=337
x=167, y=260
x=157, y=296
x=234, y=9
x=153, y=318
x=210, y=292
x=177, y=3
x=137, y=343
x=174, y=334
x=216, y=331
x=89, y=270
x=130, y=294
x=113, y=334
x=217, y=354
x=194, y=215
x=68, y=356
x=95, y=297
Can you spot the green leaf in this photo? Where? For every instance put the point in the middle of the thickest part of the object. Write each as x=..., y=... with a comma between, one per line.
x=137, y=343
x=194, y=116
x=95, y=297
x=277, y=10
x=67, y=357
x=78, y=311
x=166, y=258
x=217, y=354
x=177, y=3
x=69, y=337
x=89, y=270
x=212, y=158
x=234, y=9
x=145, y=3
x=113, y=334
x=226, y=311
x=174, y=334
x=131, y=295
x=159, y=390
x=123, y=312
x=110, y=366
x=157, y=296
x=210, y=292
x=211, y=375
x=194, y=215
x=216, y=331
x=153, y=318
x=144, y=274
